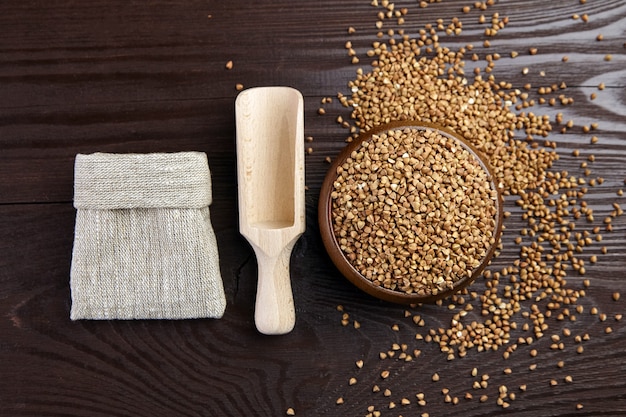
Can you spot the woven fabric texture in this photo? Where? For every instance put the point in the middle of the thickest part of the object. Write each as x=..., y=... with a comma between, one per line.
x=156, y=180
x=144, y=246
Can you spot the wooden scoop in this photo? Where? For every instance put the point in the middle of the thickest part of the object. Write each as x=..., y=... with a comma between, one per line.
x=270, y=171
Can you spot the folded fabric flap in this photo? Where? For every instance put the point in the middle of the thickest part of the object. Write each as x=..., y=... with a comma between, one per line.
x=155, y=180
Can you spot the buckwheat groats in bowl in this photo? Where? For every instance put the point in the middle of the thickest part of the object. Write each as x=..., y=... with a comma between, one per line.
x=410, y=212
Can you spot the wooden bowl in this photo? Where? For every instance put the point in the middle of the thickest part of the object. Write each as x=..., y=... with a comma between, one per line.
x=338, y=257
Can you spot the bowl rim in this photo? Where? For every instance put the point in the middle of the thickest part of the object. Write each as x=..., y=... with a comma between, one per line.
x=338, y=257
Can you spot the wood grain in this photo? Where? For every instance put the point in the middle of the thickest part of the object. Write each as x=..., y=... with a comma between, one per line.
x=123, y=76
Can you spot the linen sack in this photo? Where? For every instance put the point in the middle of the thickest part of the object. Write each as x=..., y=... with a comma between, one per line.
x=144, y=245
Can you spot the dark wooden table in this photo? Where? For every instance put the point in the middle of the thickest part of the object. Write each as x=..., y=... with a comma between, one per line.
x=135, y=76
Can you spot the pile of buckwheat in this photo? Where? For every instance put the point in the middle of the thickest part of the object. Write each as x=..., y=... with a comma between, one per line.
x=414, y=210
x=404, y=85
x=415, y=77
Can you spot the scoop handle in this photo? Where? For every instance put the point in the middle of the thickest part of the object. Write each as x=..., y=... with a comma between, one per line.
x=274, y=309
